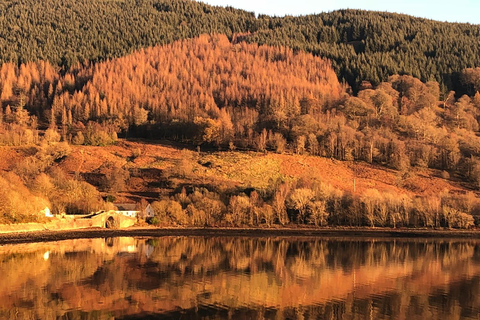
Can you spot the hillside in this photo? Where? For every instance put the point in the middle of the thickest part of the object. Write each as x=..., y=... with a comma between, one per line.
x=213, y=187
x=362, y=45
x=211, y=94
x=200, y=90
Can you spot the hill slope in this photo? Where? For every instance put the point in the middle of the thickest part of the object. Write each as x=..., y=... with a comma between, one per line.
x=213, y=93
x=363, y=45
x=176, y=90
x=231, y=188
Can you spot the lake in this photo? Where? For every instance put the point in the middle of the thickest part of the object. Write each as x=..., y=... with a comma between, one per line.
x=241, y=278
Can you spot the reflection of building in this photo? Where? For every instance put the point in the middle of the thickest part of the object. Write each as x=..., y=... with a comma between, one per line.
x=127, y=209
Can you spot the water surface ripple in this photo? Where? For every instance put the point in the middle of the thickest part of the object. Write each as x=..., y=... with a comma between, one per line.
x=241, y=278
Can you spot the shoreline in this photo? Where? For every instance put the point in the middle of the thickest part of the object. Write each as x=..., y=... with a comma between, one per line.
x=85, y=233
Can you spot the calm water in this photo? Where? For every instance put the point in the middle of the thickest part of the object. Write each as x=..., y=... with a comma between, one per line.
x=240, y=278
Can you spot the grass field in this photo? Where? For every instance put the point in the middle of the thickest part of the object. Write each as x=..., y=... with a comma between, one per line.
x=177, y=166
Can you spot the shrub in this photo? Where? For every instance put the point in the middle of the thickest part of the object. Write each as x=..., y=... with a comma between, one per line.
x=79, y=139
x=17, y=204
x=154, y=220
x=268, y=214
x=184, y=168
x=170, y=211
x=319, y=215
x=238, y=207
x=300, y=200
x=445, y=175
x=51, y=136
x=198, y=217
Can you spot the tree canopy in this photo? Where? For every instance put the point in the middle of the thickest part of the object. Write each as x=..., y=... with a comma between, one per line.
x=362, y=45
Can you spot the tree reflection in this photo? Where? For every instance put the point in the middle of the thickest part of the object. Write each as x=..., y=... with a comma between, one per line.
x=222, y=277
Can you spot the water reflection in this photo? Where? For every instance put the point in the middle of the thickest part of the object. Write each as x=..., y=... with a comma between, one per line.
x=240, y=278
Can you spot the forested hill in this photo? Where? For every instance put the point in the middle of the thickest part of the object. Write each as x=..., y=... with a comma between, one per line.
x=362, y=45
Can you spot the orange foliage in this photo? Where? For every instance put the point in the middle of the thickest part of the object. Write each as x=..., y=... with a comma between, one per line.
x=242, y=85
x=197, y=77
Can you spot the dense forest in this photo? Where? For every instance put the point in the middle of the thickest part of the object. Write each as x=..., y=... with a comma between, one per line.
x=209, y=91
x=218, y=78
x=217, y=94
x=362, y=45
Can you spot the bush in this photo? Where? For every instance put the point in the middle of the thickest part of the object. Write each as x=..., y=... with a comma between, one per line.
x=17, y=204
x=300, y=200
x=268, y=214
x=445, y=175
x=170, y=211
x=79, y=139
x=51, y=136
x=319, y=214
x=154, y=220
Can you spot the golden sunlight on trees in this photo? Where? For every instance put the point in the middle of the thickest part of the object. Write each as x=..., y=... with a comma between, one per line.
x=17, y=203
x=300, y=200
x=241, y=96
x=168, y=212
x=278, y=203
x=221, y=94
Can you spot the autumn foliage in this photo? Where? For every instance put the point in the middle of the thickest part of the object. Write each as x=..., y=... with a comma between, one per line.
x=226, y=90
x=214, y=93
